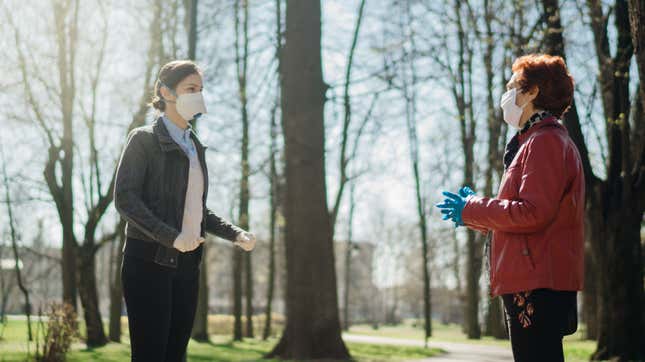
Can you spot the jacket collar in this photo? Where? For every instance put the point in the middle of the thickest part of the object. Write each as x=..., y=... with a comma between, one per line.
x=166, y=141
x=547, y=122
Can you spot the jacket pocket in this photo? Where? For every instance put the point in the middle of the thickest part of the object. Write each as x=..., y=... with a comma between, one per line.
x=526, y=252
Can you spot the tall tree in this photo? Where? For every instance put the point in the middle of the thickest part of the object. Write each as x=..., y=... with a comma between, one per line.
x=494, y=319
x=116, y=290
x=274, y=182
x=78, y=260
x=14, y=242
x=462, y=91
x=409, y=83
x=615, y=204
x=554, y=44
x=312, y=328
x=637, y=21
x=200, y=324
x=154, y=57
x=346, y=153
x=349, y=246
x=192, y=29
x=242, y=264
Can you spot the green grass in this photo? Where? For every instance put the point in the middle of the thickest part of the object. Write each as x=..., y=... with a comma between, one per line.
x=575, y=347
x=13, y=347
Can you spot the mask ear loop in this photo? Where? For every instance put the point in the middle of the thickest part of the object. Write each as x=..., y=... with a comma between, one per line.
x=171, y=91
x=524, y=105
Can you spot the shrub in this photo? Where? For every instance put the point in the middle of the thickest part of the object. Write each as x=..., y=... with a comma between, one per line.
x=57, y=337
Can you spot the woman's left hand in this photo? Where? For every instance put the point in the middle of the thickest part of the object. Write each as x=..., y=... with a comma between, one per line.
x=245, y=240
x=453, y=205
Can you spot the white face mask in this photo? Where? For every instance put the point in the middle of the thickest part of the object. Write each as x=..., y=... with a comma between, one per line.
x=512, y=112
x=189, y=105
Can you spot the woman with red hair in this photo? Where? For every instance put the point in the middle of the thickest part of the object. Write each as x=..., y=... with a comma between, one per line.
x=536, y=257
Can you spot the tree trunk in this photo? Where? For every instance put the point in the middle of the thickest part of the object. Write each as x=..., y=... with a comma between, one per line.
x=462, y=94
x=116, y=291
x=248, y=284
x=273, y=184
x=554, y=45
x=66, y=25
x=89, y=296
x=237, y=294
x=615, y=205
x=273, y=193
x=409, y=80
x=637, y=21
x=620, y=309
x=14, y=245
x=242, y=261
x=345, y=157
x=618, y=202
x=589, y=313
x=200, y=325
x=192, y=30
x=495, y=326
x=312, y=328
x=348, y=258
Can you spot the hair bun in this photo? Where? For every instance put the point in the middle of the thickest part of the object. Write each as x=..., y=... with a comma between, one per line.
x=158, y=103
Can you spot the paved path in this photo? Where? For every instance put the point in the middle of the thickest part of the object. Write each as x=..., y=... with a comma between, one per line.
x=455, y=352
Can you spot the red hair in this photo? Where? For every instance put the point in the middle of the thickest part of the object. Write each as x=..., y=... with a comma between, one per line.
x=550, y=75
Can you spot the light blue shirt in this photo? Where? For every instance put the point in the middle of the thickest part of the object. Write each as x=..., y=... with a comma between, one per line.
x=193, y=209
x=181, y=136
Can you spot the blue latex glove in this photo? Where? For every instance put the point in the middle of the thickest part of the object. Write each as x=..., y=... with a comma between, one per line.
x=453, y=205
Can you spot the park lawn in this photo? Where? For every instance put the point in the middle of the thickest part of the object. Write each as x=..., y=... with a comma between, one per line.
x=575, y=348
x=219, y=349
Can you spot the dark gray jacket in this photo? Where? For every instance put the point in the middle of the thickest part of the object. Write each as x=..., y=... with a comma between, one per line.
x=150, y=191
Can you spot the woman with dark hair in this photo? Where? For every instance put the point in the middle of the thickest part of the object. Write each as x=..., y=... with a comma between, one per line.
x=536, y=257
x=161, y=190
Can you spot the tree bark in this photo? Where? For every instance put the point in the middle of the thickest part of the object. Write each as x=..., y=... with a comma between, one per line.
x=312, y=328
x=273, y=205
x=192, y=30
x=242, y=264
x=200, y=325
x=615, y=204
x=618, y=201
x=116, y=291
x=409, y=82
x=637, y=21
x=89, y=296
x=348, y=258
x=494, y=325
x=462, y=93
x=59, y=168
x=66, y=35
x=345, y=156
x=273, y=183
x=554, y=45
x=14, y=245
x=495, y=320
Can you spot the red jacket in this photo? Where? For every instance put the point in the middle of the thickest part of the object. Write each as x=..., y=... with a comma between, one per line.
x=537, y=219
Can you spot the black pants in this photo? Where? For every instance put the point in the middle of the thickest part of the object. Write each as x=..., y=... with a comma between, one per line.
x=161, y=304
x=537, y=320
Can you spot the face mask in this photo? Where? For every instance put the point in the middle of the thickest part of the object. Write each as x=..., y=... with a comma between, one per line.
x=512, y=112
x=189, y=105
